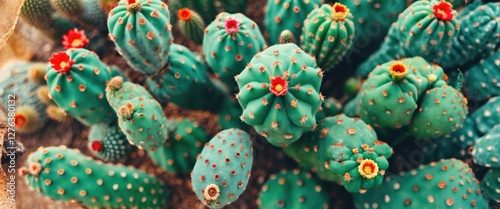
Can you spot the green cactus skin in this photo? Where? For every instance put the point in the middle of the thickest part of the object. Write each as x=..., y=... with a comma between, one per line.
x=286, y=37
x=229, y=116
x=142, y=33
x=191, y=25
x=477, y=37
x=487, y=116
x=327, y=34
x=186, y=82
x=293, y=189
x=208, y=9
x=77, y=79
x=481, y=79
x=108, y=143
x=287, y=15
x=17, y=86
x=67, y=175
x=222, y=170
x=140, y=117
x=442, y=111
x=372, y=20
x=329, y=107
x=332, y=151
x=425, y=28
x=486, y=151
x=178, y=154
x=57, y=114
x=490, y=185
x=279, y=93
x=444, y=184
x=230, y=42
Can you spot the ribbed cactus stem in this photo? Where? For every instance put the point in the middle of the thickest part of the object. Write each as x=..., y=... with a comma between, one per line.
x=340, y=12
x=398, y=71
x=443, y=11
x=133, y=6
x=287, y=37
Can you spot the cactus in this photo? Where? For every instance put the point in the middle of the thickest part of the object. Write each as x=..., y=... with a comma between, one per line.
x=442, y=111
x=481, y=79
x=490, y=184
x=142, y=33
x=444, y=184
x=108, y=143
x=486, y=151
x=287, y=15
x=42, y=93
x=222, y=170
x=208, y=9
x=344, y=150
x=279, y=93
x=75, y=39
x=487, y=116
x=57, y=114
x=186, y=82
x=37, y=72
x=477, y=37
x=108, y=5
x=327, y=34
x=191, y=25
x=230, y=42
x=426, y=29
x=140, y=117
x=372, y=20
x=67, y=175
x=18, y=93
x=330, y=107
x=178, y=154
x=229, y=116
x=76, y=79
x=293, y=189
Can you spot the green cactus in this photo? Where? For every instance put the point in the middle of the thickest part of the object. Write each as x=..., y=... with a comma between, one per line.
x=208, y=9
x=442, y=111
x=229, y=116
x=372, y=20
x=222, y=170
x=286, y=37
x=279, y=93
x=76, y=79
x=481, y=79
x=142, y=33
x=108, y=143
x=57, y=114
x=490, y=184
x=43, y=94
x=486, y=151
x=191, y=25
x=37, y=72
x=330, y=107
x=186, y=82
x=230, y=42
x=426, y=28
x=67, y=175
x=18, y=94
x=344, y=150
x=87, y=13
x=140, y=117
x=477, y=37
x=178, y=154
x=327, y=34
x=444, y=184
x=293, y=189
x=487, y=116
x=287, y=15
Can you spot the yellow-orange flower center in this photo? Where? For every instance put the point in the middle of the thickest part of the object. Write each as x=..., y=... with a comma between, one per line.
x=398, y=71
x=279, y=86
x=340, y=12
x=368, y=168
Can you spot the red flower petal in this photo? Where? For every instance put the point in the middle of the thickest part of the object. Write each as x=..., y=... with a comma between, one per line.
x=443, y=11
x=279, y=86
x=61, y=62
x=75, y=39
x=96, y=146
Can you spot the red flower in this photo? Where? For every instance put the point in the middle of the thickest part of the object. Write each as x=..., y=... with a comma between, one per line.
x=443, y=11
x=75, y=39
x=184, y=14
x=232, y=25
x=279, y=86
x=61, y=62
x=96, y=146
x=19, y=120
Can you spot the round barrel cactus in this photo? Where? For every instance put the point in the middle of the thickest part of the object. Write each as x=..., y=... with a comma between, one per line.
x=230, y=42
x=142, y=33
x=279, y=93
x=481, y=80
x=108, y=143
x=327, y=34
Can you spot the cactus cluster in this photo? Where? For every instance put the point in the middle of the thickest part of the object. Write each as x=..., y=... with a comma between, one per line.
x=108, y=143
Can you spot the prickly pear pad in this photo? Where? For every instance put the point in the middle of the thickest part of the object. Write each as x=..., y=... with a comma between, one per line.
x=279, y=93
